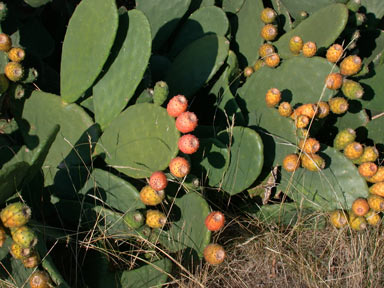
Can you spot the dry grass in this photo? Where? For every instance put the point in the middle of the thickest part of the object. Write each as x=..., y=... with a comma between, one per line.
x=296, y=258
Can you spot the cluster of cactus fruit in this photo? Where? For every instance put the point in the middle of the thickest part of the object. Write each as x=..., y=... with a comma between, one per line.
x=141, y=168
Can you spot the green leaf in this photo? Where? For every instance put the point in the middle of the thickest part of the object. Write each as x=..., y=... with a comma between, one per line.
x=88, y=40
x=335, y=187
x=112, y=92
x=188, y=229
x=248, y=30
x=151, y=275
x=138, y=152
x=204, y=21
x=196, y=64
x=112, y=190
x=246, y=158
x=323, y=27
x=164, y=17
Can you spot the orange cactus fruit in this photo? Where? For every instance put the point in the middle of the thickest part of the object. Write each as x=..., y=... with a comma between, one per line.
x=309, y=49
x=179, y=167
x=367, y=169
x=338, y=218
x=32, y=260
x=150, y=196
x=269, y=32
x=285, y=109
x=310, y=145
x=370, y=154
x=158, y=181
x=334, y=53
x=378, y=177
x=308, y=110
x=214, y=254
x=373, y=218
x=376, y=202
x=273, y=97
x=360, y=207
x=302, y=121
x=353, y=150
x=215, y=221
x=266, y=49
x=268, y=15
x=186, y=122
x=334, y=81
x=296, y=44
x=312, y=162
x=258, y=64
x=16, y=54
x=377, y=189
x=350, y=65
x=14, y=71
x=338, y=105
x=5, y=42
x=177, y=105
x=40, y=279
x=3, y=236
x=155, y=219
x=291, y=162
x=322, y=109
x=188, y=144
x=248, y=71
x=272, y=60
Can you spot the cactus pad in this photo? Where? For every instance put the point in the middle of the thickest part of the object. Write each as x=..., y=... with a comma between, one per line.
x=139, y=152
x=88, y=40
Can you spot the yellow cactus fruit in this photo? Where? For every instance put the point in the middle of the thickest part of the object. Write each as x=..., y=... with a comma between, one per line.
x=272, y=60
x=302, y=133
x=373, y=218
x=370, y=154
x=5, y=42
x=358, y=223
x=334, y=53
x=269, y=32
x=291, y=162
x=350, y=65
x=266, y=49
x=310, y=145
x=360, y=207
x=3, y=236
x=309, y=49
x=376, y=202
x=353, y=150
x=155, y=219
x=338, y=218
x=302, y=121
x=378, y=177
x=367, y=169
x=322, y=109
x=248, y=71
x=296, y=44
x=150, y=196
x=19, y=252
x=214, y=254
x=308, y=110
x=338, y=105
x=4, y=83
x=312, y=162
x=16, y=54
x=377, y=189
x=343, y=138
x=285, y=109
x=268, y=15
x=334, y=81
x=258, y=64
x=14, y=71
x=273, y=97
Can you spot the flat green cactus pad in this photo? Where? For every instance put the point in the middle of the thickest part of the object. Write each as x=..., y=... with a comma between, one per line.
x=335, y=187
x=37, y=3
x=233, y=6
x=206, y=20
x=141, y=140
x=188, y=229
x=113, y=91
x=88, y=40
x=297, y=6
x=323, y=27
x=196, y=64
x=374, y=90
x=112, y=190
x=163, y=17
x=246, y=158
x=375, y=130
